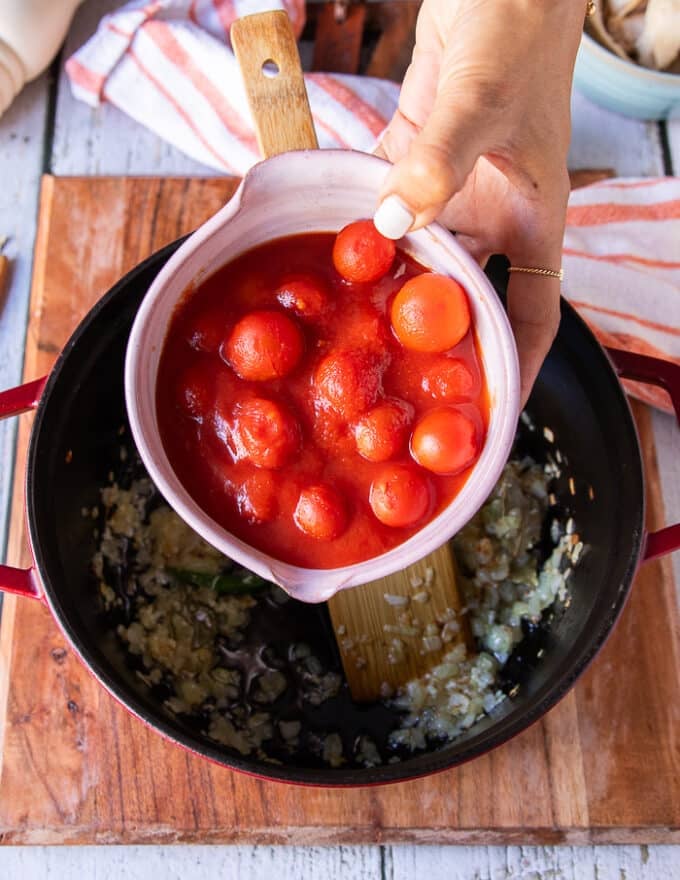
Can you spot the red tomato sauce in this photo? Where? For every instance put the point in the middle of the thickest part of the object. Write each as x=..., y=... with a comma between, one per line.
x=258, y=454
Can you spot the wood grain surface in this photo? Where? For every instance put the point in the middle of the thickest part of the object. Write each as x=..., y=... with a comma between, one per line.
x=397, y=28
x=337, y=41
x=78, y=139
x=267, y=54
x=367, y=625
x=602, y=766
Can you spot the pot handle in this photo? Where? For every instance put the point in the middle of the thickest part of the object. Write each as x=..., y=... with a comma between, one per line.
x=13, y=401
x=666, y=374
x=17, y=400
x=22, y=581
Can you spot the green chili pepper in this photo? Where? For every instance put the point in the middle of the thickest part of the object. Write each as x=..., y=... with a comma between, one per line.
x=235, y=582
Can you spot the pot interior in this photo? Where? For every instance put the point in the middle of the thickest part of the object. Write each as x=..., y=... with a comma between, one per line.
x=75, y=446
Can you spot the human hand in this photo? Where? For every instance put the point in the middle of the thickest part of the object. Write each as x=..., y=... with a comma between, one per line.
x=480, y=141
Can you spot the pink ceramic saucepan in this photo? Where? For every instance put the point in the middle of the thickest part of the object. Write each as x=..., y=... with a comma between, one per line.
x=296, y=192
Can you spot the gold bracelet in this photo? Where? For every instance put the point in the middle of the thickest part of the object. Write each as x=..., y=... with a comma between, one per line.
x=590, y=8
x=548, y=273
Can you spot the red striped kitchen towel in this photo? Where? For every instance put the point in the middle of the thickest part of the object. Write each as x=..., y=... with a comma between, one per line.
x=622, y=267
x=168, y=64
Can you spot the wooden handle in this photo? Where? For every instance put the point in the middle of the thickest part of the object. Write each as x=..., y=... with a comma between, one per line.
x=265, y=48
x=380, y=626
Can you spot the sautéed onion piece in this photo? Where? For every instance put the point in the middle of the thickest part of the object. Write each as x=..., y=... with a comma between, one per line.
x=247, y=667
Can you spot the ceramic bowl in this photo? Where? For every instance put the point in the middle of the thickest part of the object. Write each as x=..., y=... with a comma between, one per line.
x=624, y=86
x=306, y=191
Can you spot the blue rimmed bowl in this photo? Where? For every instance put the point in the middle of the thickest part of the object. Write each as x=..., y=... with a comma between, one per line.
x=623, y=86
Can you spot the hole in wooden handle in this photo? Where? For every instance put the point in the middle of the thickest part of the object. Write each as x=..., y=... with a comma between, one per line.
x=277, y=97
x=270, y=68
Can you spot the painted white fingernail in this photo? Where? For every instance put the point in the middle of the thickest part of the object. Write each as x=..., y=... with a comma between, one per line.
x=393, y=219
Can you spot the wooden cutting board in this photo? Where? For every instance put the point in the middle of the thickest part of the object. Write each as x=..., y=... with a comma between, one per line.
x=603, y=766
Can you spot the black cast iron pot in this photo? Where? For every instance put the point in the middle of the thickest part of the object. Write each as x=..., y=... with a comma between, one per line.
x=75, y=444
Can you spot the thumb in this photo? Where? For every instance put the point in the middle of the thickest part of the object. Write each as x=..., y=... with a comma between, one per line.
x=436, y=164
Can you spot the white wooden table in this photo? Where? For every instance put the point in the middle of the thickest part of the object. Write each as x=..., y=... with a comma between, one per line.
x=47, y=131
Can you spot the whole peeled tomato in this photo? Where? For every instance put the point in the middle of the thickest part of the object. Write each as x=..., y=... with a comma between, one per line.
x=445, y=440
x=449, y=379
x=305, y=295
x=256, y=498
x=264, y=345
x=195, y=391
x=381, y=433
x=430, y=313
x=361, y=253
x=363, y=327
x=331, y=433
x=321, y=512
x=264, y=433
x=206, y=330
x=399, y=495
x=348, y=382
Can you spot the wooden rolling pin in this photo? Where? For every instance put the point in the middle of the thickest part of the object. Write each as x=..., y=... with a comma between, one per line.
x=398, y=627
